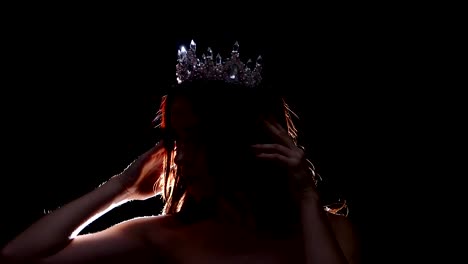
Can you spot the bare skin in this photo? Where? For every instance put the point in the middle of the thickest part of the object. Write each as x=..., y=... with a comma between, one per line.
x=325, y=238
x=163, y=239
x=213, y=241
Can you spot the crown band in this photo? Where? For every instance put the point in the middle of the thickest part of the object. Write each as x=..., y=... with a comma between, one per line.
x=232, y=70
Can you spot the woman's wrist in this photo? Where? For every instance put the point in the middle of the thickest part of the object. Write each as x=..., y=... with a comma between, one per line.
x=117, y=188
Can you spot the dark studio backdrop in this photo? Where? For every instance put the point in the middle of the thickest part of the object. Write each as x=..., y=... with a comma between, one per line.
x=82, y=92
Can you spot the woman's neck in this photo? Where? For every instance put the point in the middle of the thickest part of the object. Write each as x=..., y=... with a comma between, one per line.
x=237, y=211
x=240, y=212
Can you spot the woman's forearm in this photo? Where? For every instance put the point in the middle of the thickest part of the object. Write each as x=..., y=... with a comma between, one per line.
x=321, y=245
x=54, y=231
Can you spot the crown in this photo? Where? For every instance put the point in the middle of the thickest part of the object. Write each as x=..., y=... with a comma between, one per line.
x=232, y=70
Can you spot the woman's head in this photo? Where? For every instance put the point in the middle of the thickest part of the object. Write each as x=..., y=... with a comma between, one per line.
x=209, y=128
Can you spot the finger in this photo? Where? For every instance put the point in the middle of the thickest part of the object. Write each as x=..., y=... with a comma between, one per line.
x=158, y=146
x=276, y=124
x=271, y=126
x=279, y=133
x=149, y=154
x=151, y=165
x=273, y=156
x=272, y=148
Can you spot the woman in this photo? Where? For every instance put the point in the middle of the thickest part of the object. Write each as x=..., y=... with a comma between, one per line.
x=237, y=189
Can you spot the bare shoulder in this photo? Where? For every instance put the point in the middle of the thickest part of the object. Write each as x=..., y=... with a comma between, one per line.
x=346, y=235
x=147, y=223
x=158, y=231
x=152, y=232
x=153, y=229
x=135, y=240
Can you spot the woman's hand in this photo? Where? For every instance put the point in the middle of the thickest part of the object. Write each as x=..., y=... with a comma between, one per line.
x=140, y=177
x=286, y=152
